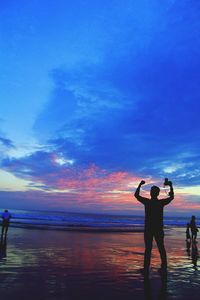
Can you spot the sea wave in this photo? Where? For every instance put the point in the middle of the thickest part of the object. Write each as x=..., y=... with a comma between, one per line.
x=84, y=222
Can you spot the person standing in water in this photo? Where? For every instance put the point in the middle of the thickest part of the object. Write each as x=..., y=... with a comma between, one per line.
x=194, y=228
x=6, y=216
x=154, y=222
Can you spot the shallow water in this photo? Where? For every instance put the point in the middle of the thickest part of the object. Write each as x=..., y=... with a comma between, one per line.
x=81, y=265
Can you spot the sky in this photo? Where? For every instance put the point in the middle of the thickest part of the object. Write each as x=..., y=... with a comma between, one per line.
x=96, y=97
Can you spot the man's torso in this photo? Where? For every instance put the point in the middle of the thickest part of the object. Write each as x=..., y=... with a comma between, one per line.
x=154, y=215
x=6, y=216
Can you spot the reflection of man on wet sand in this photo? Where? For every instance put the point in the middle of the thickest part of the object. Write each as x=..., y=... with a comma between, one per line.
x=6, y=216
x=149, y=289
x=154, y=222
x=3, y=247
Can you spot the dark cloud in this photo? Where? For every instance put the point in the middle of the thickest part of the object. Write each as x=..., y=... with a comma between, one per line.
x=131, y=134
x=6, y=142
x=38, y=166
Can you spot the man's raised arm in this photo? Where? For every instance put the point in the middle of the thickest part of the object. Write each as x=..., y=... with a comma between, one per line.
x=137, y=193
x=171, y=195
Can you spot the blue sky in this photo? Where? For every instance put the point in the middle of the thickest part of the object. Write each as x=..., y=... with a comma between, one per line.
x=95, y=97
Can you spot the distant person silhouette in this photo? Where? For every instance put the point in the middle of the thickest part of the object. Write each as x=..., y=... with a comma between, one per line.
x=6, y=216
x=194, y=228
x=192, y=252
x=154, y=223
x=188, y=236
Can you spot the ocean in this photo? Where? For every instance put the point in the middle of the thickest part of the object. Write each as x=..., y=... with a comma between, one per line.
x=83, y=221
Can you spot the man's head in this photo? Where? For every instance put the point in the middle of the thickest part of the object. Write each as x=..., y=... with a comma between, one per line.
x=154, y=191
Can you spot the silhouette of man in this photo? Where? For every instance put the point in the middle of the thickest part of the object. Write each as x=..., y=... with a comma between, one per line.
x=194, y=228
x=6, y=221
x=154, y=223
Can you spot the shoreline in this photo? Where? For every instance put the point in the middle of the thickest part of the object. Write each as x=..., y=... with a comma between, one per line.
x=83, y=228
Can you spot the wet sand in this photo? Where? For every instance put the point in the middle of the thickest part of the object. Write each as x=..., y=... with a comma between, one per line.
x=42, y=264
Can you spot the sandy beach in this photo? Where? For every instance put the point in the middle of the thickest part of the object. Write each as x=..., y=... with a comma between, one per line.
x=48, y=264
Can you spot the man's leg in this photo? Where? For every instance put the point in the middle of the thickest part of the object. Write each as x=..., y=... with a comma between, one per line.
x=148, y=238
x=159, y=237
x=6, y=231
x=2, y=231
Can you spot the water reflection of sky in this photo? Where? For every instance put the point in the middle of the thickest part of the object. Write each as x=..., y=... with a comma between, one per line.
x=55, y=264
